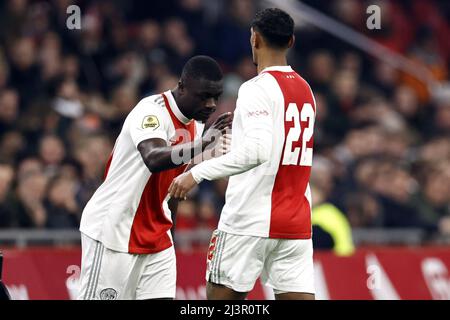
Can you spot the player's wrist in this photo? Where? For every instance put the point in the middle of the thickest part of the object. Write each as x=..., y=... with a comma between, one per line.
x=195, y=175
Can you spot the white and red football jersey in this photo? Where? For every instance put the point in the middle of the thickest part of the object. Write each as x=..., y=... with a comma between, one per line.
x=270, y=160
x=129, y=211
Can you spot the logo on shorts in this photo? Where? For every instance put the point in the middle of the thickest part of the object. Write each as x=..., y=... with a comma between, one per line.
x=108, y=294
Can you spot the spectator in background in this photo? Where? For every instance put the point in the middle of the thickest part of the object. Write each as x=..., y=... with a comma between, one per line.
x=13, y=15
x=384, y=77
x=321, y=68
x=442, y=119
x=49, y=57
x=24, y=73
x=71, y=68
x=232, y=31
x=92, y=153
x=363, y=210
x=28, y=203
x=425, y=53
x=4, y=72
x=29, y=166
x=178, y=43
x=124, y=97
x=52, y=153
x=9, y=110
x=433, y=201
x=407, y=104
x=63, y=95
x=331, y=229
x=61, y=206
x=6, y=179
x=12, y=144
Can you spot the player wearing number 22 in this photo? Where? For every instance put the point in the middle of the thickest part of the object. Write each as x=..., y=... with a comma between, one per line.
x=265, y=225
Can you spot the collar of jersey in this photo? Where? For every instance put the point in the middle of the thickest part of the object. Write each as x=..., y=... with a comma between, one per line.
x=174, y=107
x=278, y=68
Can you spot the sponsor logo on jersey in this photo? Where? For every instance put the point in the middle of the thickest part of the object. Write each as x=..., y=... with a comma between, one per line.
x=150, y=122
x=257, y=113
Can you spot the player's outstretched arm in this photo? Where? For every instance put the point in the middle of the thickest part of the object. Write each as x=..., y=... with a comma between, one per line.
x=158, y=156
x=254, y=149
x=250, y=154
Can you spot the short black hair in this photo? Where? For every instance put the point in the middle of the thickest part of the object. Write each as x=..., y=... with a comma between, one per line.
x=202, y=67
x=275, y=25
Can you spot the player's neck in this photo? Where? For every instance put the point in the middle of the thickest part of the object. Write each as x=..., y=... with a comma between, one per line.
x=176, y=97
x=270, y=59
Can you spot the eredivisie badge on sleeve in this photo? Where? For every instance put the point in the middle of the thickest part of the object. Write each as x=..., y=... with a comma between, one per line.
x=151, y=122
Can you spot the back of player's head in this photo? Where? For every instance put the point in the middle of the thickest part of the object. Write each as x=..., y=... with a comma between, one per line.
x=202, y=67
x=276, y=27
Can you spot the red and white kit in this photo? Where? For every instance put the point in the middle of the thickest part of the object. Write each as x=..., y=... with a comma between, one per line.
x=265, y=225
x=129, y=212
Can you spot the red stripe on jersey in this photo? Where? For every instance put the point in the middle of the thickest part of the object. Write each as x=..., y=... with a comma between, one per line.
x=291, y=212
x=108, y=164
x=150, y=224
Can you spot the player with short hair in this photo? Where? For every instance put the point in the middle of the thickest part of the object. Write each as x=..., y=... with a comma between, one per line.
x=265, y=224
x=127, y=248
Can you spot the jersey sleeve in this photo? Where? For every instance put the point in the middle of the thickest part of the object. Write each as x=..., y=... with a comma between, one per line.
x=254, y=107
x=148, y=121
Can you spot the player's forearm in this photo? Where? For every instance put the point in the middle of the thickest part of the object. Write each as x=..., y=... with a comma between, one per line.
x=169, y=157
x=251, y=153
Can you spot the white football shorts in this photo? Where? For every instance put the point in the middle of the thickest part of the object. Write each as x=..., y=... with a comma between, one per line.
x=110, y=275
x=236, y=261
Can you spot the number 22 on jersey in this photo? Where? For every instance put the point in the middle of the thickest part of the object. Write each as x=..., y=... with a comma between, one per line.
x=291, y=155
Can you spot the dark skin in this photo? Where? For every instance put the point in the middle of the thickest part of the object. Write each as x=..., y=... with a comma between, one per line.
x=196, y=99
x=220, y=292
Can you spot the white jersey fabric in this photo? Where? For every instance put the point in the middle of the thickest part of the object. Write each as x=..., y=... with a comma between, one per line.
x=129, y=211
x=270, y=160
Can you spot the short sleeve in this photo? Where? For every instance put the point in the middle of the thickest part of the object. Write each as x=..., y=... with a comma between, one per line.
x=148, y=121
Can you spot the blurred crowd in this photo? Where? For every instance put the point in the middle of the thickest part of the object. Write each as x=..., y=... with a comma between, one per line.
x=382, y=143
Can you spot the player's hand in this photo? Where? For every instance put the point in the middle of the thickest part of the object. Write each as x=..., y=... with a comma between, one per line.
x=181, y=185
x=218, y=128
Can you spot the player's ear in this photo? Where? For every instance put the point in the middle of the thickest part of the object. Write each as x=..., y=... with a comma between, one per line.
x=291, y=41
x=255, y=38
x=181, y=85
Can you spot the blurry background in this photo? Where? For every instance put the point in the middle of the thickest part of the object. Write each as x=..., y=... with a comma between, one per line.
x=381, y=169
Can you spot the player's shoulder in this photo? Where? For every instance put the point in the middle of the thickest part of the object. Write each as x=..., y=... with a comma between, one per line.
x=257, y=85
x=150, y=104
x=150, y=110
x=302, y=80
x=155, y=101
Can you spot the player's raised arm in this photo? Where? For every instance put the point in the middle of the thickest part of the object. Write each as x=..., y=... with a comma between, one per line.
x=158, y=156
